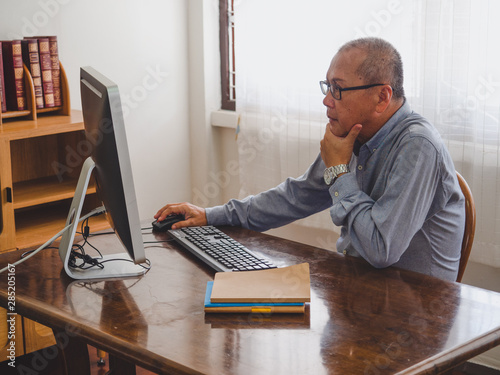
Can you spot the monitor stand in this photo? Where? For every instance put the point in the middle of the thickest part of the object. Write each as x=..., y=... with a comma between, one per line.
x=124, y=267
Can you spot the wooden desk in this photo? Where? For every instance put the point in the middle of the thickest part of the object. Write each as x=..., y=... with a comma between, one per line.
x=361, y=320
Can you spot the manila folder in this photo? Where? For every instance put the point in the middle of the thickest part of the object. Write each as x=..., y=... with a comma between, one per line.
x=286, y=284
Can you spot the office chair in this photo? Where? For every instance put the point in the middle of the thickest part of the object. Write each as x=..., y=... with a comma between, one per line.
x=470, y=226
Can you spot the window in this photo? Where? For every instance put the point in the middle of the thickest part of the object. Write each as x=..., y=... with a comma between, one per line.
x=226, y=36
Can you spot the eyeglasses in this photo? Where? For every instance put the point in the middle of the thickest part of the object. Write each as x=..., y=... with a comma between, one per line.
x=336, y=91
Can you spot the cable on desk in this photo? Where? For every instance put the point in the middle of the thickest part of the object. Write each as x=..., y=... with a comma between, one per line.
x=86, y=261
x=156, y=241
x=78, y=252
x=94, y=212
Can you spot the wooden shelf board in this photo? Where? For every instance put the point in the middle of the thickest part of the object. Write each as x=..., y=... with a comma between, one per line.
x=44, y=190
x=15, y=114
x=44, y=125
x=35, y=227
x=50, y=109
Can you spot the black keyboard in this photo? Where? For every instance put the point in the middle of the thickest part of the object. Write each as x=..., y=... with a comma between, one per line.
x=218, y=250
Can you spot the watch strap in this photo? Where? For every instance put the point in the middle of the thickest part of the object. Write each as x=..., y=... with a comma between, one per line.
x=331, y=173
x=338, y=169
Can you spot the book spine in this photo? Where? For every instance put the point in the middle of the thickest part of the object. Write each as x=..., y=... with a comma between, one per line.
x=14, y=75
x=46, y=70
x=258, y=309
x=32, y=61
x=56, y=72
x=17, y=55
x=3, y=103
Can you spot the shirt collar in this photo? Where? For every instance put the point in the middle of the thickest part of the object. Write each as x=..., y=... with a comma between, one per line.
x=386, y=129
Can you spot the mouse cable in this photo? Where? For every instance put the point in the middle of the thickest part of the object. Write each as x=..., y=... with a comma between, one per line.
x=86, y=261
x=94, y=212
x=157, y=241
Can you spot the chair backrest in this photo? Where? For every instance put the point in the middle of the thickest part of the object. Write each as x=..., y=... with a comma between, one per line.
x=470, y=226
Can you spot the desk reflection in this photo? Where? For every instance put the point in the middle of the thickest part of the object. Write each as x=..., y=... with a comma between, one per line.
x=111, y=300
x=256, y=321
x=389, y=311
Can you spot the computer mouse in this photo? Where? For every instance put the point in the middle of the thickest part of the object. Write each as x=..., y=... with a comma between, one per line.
x=166, y=224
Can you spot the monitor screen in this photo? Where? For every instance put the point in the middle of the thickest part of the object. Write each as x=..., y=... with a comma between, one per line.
x=110, y=164
x=105, y=131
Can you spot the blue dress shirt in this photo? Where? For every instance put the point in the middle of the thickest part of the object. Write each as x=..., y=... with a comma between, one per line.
x=400, y=205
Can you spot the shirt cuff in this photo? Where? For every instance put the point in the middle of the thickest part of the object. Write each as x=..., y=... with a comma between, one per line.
x=343, y=186
x=215, y=215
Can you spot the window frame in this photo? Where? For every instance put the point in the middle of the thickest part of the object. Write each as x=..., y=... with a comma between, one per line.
x=227, y=57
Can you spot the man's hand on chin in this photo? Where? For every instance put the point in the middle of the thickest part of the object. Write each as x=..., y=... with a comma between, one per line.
x=336, y=149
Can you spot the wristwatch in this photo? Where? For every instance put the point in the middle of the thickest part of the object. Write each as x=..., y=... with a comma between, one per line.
x=332, y=173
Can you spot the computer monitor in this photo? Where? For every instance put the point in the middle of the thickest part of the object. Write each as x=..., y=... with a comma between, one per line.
x=110, y=163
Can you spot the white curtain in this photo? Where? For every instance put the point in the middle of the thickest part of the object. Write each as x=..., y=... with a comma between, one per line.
x=451, y=56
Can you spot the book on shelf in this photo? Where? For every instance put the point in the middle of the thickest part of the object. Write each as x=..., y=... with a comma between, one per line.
x=56, y=71
x=54, y=66
x=46, y=69
x=285, y=289
x=13, y=70
x=3, y=105
x=32, y=61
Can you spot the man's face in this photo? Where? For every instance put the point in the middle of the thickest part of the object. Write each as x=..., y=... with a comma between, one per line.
x=354, y=106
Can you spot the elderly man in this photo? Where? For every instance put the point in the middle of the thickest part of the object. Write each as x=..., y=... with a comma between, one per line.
x=383, y=172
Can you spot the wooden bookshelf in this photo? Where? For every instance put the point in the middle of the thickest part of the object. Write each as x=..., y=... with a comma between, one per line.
x=44, y=190
x=41, y=154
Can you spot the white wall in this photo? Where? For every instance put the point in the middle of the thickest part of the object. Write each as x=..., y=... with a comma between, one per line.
x=141, y=46
x=204, y=95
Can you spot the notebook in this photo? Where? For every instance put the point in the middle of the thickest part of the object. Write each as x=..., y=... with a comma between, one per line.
x=277, y=285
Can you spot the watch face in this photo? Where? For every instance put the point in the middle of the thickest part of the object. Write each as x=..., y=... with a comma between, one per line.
x=327, y=176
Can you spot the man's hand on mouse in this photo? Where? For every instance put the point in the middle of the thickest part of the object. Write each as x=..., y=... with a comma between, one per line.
x=194, y=215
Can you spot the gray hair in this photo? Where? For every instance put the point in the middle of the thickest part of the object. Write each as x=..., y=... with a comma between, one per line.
x=382, y=64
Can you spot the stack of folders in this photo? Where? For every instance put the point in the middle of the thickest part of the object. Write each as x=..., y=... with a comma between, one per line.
x=277, y=290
